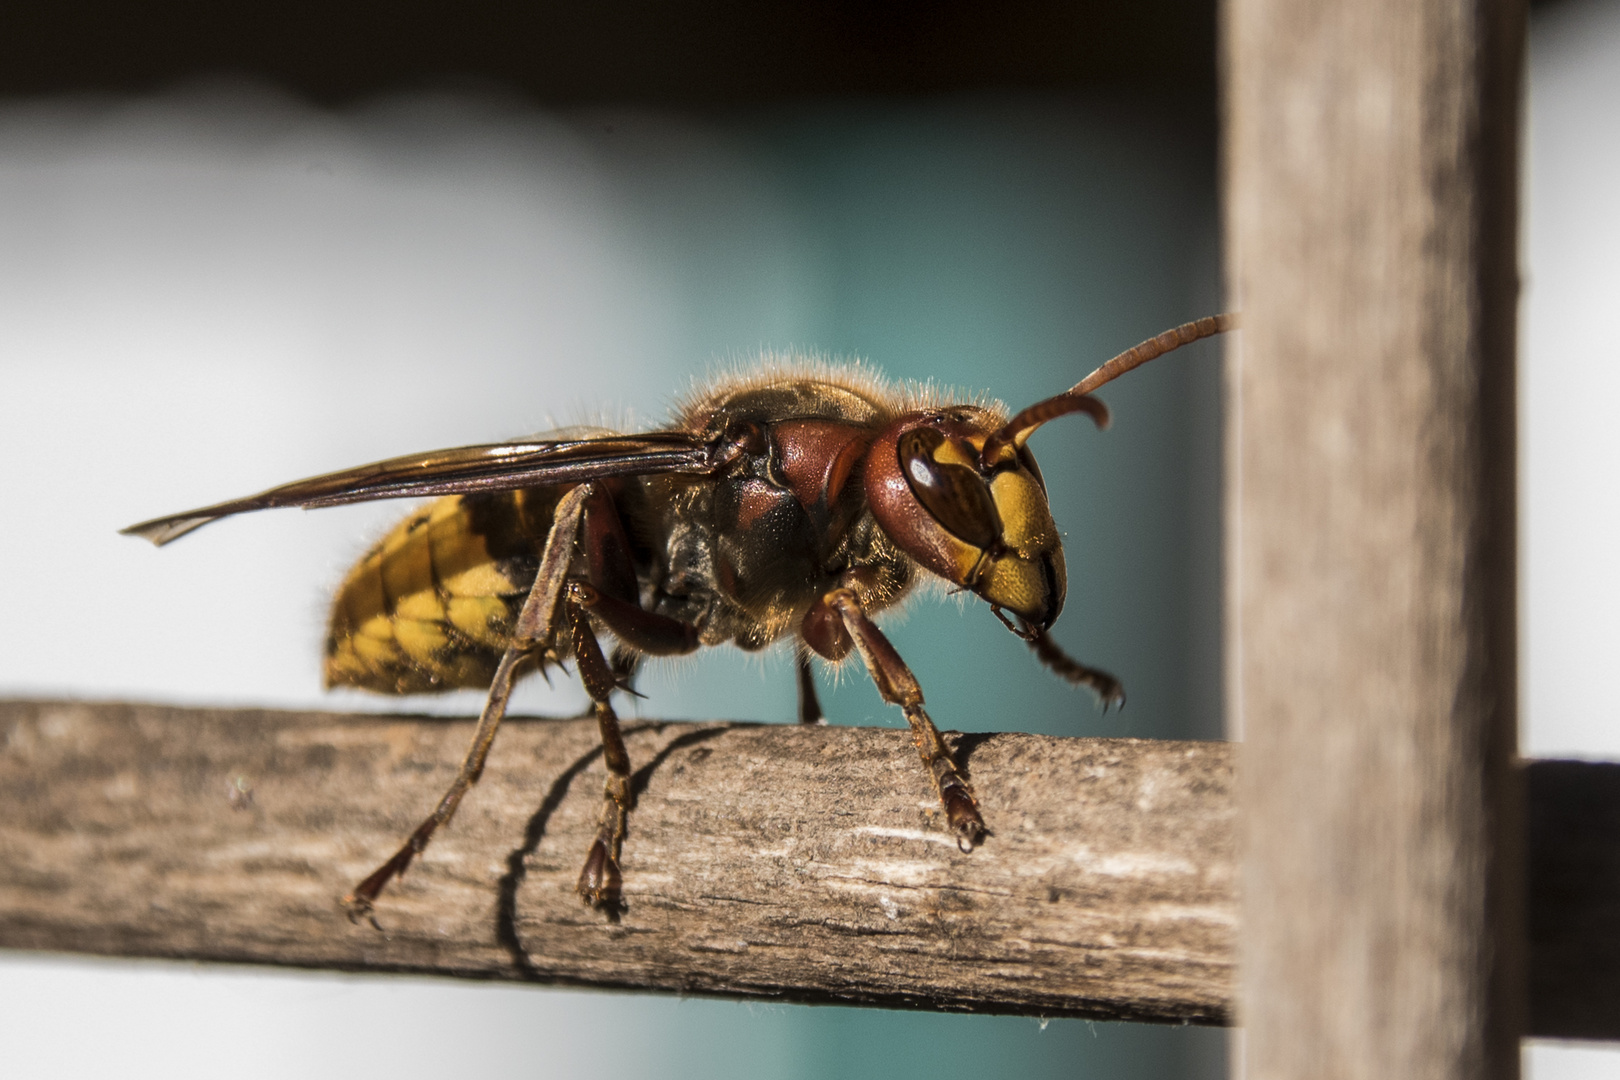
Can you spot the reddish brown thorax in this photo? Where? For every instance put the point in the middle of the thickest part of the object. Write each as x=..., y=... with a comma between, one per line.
x=818, y=457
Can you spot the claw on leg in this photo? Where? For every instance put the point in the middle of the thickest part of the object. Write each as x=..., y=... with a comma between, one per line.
x=962, y=813
x=361, y=902
x=600, y=881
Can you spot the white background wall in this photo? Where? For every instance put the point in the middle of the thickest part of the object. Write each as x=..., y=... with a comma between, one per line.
x=1570, y=430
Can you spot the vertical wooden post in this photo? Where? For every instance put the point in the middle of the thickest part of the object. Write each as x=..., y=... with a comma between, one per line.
x=1372, y=170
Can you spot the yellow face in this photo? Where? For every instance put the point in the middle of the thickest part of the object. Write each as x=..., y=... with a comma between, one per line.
x=1026, y=574
x=991, y=533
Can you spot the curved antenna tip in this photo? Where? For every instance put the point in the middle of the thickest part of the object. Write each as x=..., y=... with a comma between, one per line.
x=1077, y=398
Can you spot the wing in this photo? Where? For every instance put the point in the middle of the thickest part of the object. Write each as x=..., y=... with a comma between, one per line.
x=490, y=467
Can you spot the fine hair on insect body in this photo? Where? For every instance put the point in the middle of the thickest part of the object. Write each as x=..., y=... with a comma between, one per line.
x=789, y=504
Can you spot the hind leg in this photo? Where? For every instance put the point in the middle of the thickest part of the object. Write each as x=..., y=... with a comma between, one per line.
x=534, y=632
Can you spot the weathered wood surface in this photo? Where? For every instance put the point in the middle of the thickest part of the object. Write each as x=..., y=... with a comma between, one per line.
x=1371, y=208
x=783, y=862
x=804, y=864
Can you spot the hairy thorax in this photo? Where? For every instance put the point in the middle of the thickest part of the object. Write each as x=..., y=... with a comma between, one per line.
x=741, y=556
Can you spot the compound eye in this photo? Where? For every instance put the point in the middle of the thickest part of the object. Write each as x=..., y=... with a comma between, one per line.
x=954, y=494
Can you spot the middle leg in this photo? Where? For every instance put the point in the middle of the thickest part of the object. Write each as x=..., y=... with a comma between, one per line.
x=809, y=704
x=600, y=880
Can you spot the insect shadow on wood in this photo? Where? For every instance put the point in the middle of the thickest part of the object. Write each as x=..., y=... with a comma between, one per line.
x=535, y=831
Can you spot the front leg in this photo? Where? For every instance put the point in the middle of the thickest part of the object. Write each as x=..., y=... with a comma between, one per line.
x=1109, y=690
x=899, y=687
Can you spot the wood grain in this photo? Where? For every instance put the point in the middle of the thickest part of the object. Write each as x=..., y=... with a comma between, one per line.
x=1372, y=171
x=804, y=864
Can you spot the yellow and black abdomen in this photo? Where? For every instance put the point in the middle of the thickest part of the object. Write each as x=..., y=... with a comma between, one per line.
x=431, y=606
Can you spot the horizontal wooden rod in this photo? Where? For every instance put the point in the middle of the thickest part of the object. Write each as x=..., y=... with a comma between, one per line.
x=781, y=862
x=786, y=862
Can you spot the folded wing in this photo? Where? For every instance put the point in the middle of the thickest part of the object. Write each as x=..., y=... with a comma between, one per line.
x=489, y=467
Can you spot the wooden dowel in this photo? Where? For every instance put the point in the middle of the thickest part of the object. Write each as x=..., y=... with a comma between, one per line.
x=797, y=863
x=805, y=864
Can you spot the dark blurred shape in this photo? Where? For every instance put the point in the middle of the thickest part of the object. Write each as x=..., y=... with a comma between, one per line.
x=1574, y=898
x=687, y=52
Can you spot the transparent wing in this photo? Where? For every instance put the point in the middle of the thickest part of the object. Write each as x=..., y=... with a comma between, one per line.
x=490, y=467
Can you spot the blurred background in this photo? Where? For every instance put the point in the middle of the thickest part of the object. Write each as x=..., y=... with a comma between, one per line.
x=248, y=246
x=244, y=253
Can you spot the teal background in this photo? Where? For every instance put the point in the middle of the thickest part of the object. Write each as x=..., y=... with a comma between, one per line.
x=1008, y=246
x=1000, y=246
